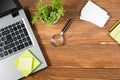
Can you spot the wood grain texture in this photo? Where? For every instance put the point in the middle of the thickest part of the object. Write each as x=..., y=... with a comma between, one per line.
x=88, y=54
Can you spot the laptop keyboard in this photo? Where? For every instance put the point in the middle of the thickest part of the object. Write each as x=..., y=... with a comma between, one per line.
x=13, y=38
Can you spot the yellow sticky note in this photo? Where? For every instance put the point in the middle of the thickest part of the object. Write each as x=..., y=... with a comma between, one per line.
x=26, y=63
x=115, y=32
x=117, y=38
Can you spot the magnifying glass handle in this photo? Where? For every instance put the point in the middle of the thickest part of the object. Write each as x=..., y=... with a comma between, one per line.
x=67, y=25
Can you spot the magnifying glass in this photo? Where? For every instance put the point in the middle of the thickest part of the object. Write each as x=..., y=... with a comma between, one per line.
x=58, y=39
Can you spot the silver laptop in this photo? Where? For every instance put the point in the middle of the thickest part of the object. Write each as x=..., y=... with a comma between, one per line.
x=16, y=36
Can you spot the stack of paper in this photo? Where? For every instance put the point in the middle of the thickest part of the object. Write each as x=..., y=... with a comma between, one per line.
x=94, y=14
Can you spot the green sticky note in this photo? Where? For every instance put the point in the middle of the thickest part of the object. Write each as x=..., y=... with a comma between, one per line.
x=26, y=63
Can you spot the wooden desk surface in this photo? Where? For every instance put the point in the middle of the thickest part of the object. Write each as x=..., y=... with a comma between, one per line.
x=88, y=54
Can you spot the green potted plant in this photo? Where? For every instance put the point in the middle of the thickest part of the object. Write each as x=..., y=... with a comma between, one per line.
x=49, y=14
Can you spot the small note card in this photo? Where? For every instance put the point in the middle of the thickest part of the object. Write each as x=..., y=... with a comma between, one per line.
x=94, y=14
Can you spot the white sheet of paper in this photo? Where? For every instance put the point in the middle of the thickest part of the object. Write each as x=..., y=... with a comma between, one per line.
x=98, y=20
x=94, y=14
x=92, y=9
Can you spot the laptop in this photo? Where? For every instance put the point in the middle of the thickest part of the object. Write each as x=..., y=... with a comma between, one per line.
x=16, y=36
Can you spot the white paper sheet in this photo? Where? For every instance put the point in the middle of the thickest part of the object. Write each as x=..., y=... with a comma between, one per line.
x=99, y=20
x=94, y=14
x=91, y=8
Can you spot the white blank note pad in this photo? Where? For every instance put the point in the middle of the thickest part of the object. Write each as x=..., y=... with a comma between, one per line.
x=94, y=14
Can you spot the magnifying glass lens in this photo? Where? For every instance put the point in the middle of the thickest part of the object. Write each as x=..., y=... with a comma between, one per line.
x=57, y=40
